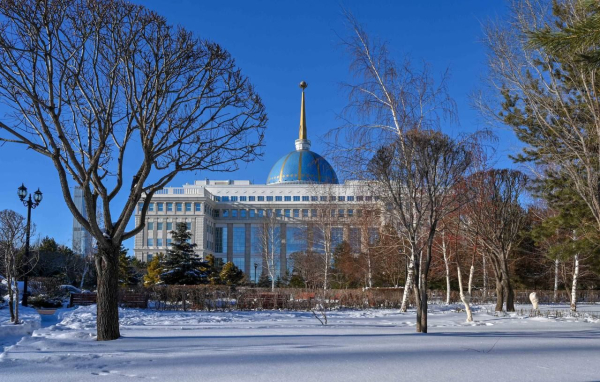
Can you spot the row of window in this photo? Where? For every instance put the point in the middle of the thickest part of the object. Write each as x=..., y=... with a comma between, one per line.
x=179, y=207
x=295, y=198
x=160, y=226
x=279, y=212
x=159, y=242
x=296, y=239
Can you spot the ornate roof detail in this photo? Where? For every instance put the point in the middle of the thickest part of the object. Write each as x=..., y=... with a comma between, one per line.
x=302, y=165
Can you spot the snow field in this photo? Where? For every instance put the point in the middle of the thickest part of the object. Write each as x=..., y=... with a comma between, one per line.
x=370, y=345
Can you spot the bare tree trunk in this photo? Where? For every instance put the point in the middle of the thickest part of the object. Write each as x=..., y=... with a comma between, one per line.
x=326, y=273
x=499, y=294
x=418, y=304
x=107, y=264
x=407, y=287
x=555, y=296
x=420, y=270
x=485, y=280
x=464, y=298
x=16, y=300
x=508, y=290
x=369, y=272
x=446, y=263
x=574, y=285
x=11, y=297
x=422, y=308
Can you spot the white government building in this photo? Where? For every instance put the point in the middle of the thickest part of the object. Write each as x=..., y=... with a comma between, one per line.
x=224, y=216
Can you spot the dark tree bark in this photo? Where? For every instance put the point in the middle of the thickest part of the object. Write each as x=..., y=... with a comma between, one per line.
x=499, y=294
x=107, y=266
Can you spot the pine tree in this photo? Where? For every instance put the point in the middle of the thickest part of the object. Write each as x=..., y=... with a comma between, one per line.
x=231, y=275
x=264, y=281
x=577, y=36
x=155, y=268
x=128, y=274
x=213, y=267
x=296, y=281
x=181, y=265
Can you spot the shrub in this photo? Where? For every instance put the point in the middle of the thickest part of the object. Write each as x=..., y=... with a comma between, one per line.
x=44, y=301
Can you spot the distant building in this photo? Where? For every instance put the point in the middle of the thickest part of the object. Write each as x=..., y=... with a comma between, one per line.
x=224, y=216
x=82, y=240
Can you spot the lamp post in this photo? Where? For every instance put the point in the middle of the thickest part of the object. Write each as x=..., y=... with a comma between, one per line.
x=37, y=199
x=255, y=266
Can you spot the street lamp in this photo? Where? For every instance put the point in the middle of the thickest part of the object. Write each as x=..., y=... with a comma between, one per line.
x=37, y=199
x=255, y=266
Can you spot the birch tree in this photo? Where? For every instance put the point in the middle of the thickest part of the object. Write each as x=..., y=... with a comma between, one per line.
x=387, y=100
x=417, y=178
x=269, y=238
x=120, y=102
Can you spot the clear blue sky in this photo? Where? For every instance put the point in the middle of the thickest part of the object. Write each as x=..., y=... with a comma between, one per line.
x=278, y=44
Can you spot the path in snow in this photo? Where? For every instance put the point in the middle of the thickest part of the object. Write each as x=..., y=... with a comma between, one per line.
x=372, y=345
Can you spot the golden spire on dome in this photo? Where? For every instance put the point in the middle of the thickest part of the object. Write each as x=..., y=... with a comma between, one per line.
x=303, y=134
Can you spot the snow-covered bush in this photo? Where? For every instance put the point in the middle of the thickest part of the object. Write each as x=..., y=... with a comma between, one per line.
x=45, y=301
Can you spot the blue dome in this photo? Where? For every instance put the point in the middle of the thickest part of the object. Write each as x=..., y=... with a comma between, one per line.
x=302, y=166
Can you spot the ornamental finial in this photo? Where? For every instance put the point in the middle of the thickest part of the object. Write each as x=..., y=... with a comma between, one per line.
x=303, y=134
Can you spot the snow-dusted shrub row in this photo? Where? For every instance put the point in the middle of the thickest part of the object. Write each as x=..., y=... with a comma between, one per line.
x=208, y=297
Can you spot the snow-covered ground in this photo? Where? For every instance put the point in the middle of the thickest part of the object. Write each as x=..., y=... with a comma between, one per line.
x=371, y=345
x=11, y=333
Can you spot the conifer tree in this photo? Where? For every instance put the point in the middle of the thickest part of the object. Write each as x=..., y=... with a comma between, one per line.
x=296, y=281
x=231, y=274
x=128, y=274
x=264, y=281
x=181, y=265
x=212, y=268
x=155, y=268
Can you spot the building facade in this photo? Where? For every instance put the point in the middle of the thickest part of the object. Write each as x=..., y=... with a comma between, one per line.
x=227, y=217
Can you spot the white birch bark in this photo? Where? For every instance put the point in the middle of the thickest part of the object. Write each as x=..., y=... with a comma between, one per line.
x=407, y=286
x=471, y=275
x=556, y=268
x=465, y=298
x=574, y=286
x=446, y=263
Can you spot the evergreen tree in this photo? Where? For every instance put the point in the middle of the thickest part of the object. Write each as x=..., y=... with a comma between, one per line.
x=577, y=37
x=155, y=268
x=212, y=268
x=264, y=281
x=129, y=274
x=296, y=281
x=230, y=274
x=181, y=265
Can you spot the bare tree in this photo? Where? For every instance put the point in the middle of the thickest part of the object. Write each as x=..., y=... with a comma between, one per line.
x=417, y=178
x=108, y=91
x=373, y=242
x=13, y=230
x=321, y=227
x=386, y=99
x=269, y=239
x=495, y=214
